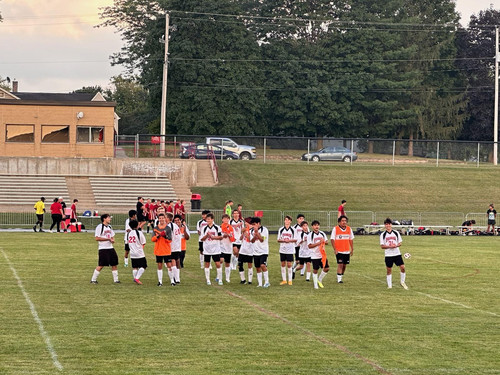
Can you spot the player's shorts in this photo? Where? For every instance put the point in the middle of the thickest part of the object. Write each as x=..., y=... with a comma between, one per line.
x=260, y=260
x=39, y=217
x=297, y=249
x=286, y=257
x=139, y=263
x=343, y=258
x=243, y=258
x=175, y=255
x=396, y=259
x=163, y=258
x=491, y=222
x=226, y=257
x=208, y=258
x=200, y=246
x=303, y=261
x=108, y=257
x=317, y=264
x=127, y=247
x=141, y=218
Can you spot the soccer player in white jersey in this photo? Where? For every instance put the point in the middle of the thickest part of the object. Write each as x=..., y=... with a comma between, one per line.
x=237, y=223
x=132, y=215
x=286, y=239
x=246, y=253
x=199, y=227
x=304, y=252
x=390, y=241
x=298, y=231
x=211, y=235
x=135, y=240
x=175, y=247
x=316, y=241
x=226, y=245
x=259, y=236
x=105, y=236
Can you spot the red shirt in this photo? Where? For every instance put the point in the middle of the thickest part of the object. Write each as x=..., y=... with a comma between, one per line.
x=73, y=211
x=341, y=210
x=176, y=209
x=56, y=208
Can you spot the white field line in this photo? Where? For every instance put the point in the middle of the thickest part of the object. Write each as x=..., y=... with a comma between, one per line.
x=434, y=297
x=44, y=333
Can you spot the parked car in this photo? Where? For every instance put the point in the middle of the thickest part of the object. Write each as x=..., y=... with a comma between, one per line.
x=245, y=152
x=204, y=151
x=331, y=153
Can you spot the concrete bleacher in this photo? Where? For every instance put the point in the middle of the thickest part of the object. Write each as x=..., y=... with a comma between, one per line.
x=23, y=191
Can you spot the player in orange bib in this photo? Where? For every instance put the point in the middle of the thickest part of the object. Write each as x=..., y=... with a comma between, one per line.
x=342, y=242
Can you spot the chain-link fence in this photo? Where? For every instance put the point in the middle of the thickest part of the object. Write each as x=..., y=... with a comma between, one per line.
x=310, y=150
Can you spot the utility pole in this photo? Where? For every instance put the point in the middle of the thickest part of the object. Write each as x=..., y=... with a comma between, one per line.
x=495, y=121
x=164, y=90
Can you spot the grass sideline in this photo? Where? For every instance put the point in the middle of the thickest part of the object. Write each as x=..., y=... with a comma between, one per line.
x=446, y=323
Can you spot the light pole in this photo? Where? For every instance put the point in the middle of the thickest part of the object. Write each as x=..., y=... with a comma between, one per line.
x=164, y=91
x=495, y=121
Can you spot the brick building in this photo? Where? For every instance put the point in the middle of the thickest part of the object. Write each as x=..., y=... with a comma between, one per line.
x=56, y=125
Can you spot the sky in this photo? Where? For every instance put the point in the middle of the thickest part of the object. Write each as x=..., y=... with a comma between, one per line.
x=53, y=46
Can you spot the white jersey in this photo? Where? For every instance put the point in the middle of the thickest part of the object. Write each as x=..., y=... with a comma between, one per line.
x=200, y=225
x=389, y=239
x=106, y=232
x=136, y=241
x=237, y=226
x=313, y=238
x=176, y=237
x=127, y=225
x=304, y=251
x=226, y=246
x=260, y=248
x=246, y=246
x=286, y=234
x=298, y=231
x=210, y=246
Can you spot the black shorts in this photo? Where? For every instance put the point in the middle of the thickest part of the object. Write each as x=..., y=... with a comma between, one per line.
x=286, y=257
x=260, y=260
x=127, y=247
x=140, y=218
x=108, y=257
x=200, y=247
x=297, y=249
x=304, y=260
x=317, y=264
x=491, y=222
x=163, y=258
x=243, y=258
x=343, y=258
x=396, y=259
x=139, y=263
x=39, y=217
x=175, y=255
x=215, y=258
x=227, y=257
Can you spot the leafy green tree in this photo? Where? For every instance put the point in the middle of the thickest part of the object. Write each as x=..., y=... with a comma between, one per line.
x=5, y=83
x=89, y=90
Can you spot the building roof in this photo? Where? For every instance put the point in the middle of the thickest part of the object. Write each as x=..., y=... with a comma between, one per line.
x=55, y=97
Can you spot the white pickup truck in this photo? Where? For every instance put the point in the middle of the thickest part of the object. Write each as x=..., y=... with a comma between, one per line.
x=245, y=152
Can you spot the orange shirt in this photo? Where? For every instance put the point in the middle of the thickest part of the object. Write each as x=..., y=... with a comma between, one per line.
x=342, y=239
x=183, y=240
x=162, y=244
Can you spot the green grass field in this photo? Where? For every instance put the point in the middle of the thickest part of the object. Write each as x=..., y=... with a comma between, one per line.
x=447, y=323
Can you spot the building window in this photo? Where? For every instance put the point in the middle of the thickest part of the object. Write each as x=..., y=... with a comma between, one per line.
x=90, y=134
x=55, y=133
x=20, y=133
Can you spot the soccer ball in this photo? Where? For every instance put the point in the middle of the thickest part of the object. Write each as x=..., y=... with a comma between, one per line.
x=407, y=255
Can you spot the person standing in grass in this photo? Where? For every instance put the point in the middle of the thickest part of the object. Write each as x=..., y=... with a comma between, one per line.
x=390, y=241
x=39, y=211
x=162, y=237
x=211, y=235
x=298, y=231
x=175, y=256
x=237, y=223
x=202, y=223
x=105, y=236
x=316, y=242
x=491, y=214
x=228, y=208
x=340, y=210
x=181, y=223
x=57, y=215
x=343, y=245
x=132, y=215
x=226, y=245
x=136, y=242
x=304, y=252
x=259, y=236
x=286, y=239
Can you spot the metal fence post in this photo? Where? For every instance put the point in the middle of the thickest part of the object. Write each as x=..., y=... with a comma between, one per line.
x=352, y=150
x=478, y=145
x=136, y=145
x=437, y=155
x=393, y=151
x=175, y=146
x=308, y=149
x=265, y=143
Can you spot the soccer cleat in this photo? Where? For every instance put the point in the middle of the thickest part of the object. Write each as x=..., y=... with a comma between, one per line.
x=340, y=282
x=159, y=284
x=220, y=282
x=405, y=287
x=41, y=230
x=93, y=281
x=173, y=284
x=243, y=282
x=316, y=287
x=34, y=229
x=283, y=282
x=308, y=279
x=209, y=283
x=293, y=275
x=177, y=281
x=290, y=282
x=267, y=285
x=117, y=282
x=249, y=283
x=216, y=280
x=227, y=281
x=320, y=284
x=50, y=231
x=389, y=286
x=138, y=282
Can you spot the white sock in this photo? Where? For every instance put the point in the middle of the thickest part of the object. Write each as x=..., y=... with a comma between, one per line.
x=308, y=276
x=294, y=267
x=242, y=275
x=115, y=275
x=302, y=271
x=160, y=276
x=177, y=274
x=389, y=280
x=250, y=275
x=207, y=273
x=339, y=277
x=95, y=275
x=140, y=271
x=174, y=272
x=283, y=273
x=315, y=280
x=202, y=261
x=322, y=276
x=266, y=277
x=259, y=278
x=134, y=273
x=228, y=273
x=403, y=277
x=219, y=273
x=125, y=260
x=290, y=272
